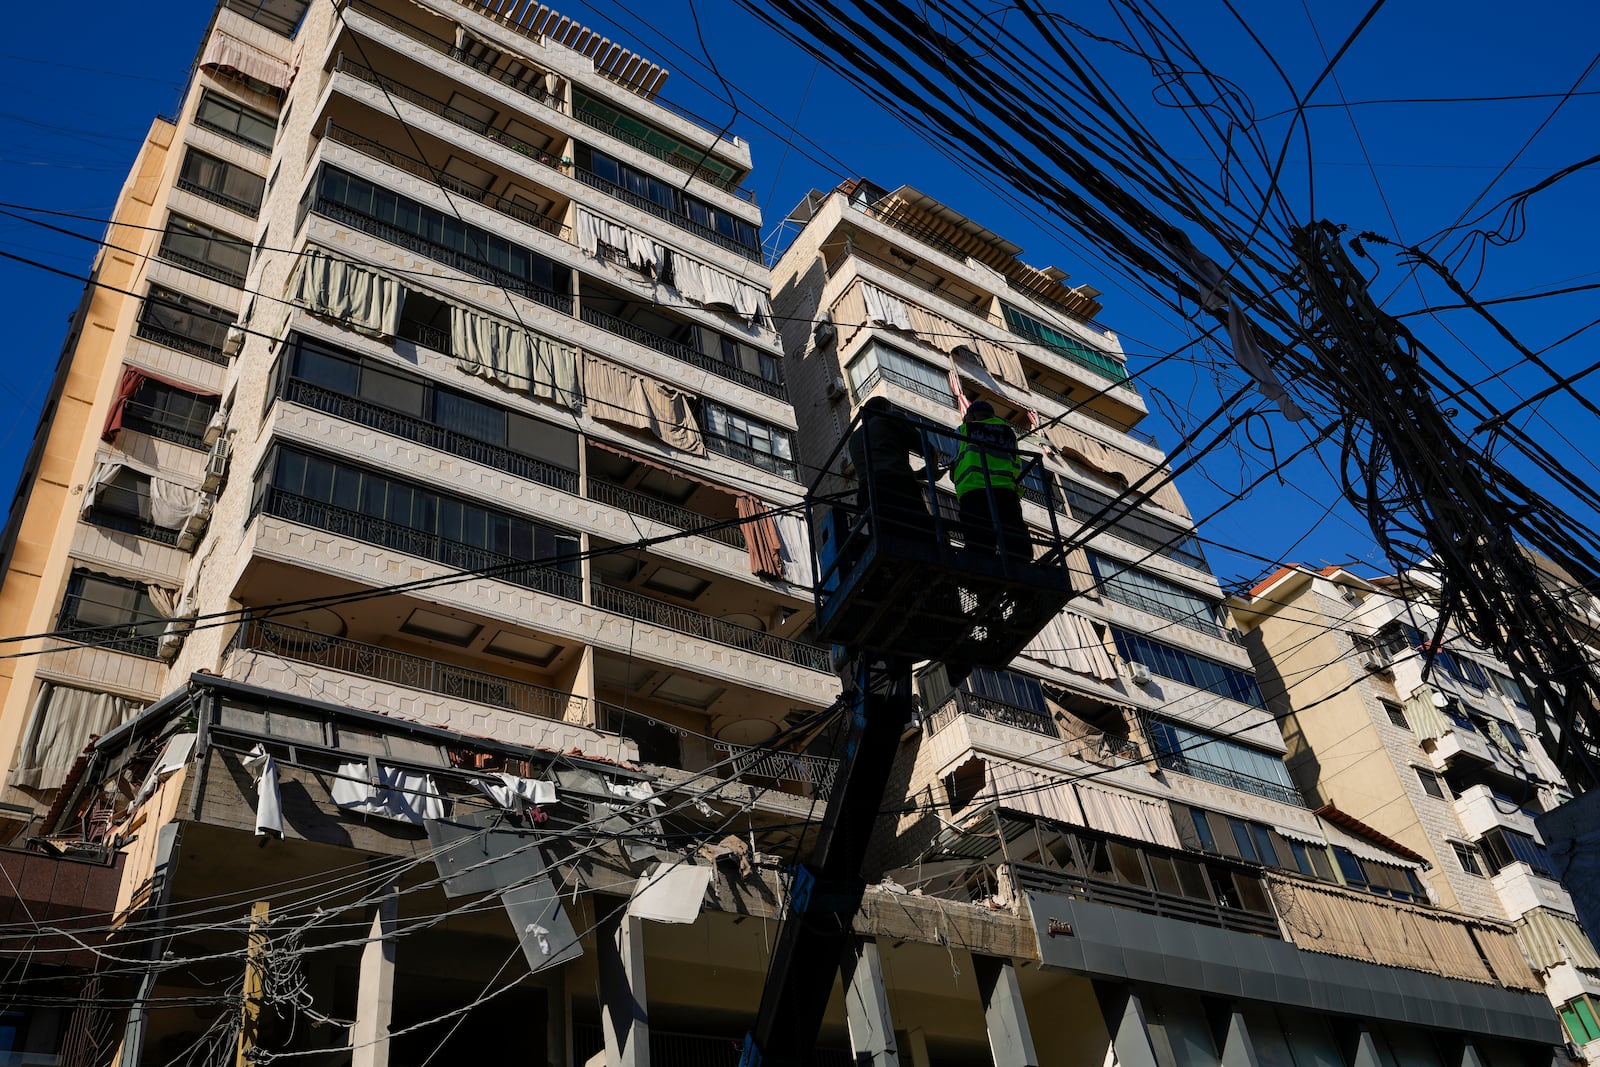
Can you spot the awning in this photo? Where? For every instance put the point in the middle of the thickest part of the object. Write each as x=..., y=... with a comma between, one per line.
x=231, y=54
x=1551, y=938
x=1365, y=841
x=1080, y=804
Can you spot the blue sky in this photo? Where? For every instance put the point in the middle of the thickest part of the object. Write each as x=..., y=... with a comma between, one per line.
x=92, y=79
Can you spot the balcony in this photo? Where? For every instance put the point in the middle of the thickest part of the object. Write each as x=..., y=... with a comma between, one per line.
x=399, y=668
x=178, y=342
x=962, y=702
x=127, y=524
x=939, y=396
x=163, y=425
x=413, y=542
x=666, y=155
x=189, y=263
x=1479, y=809
x=664, y=512
x=791, y=772
x=527, y=86
x=383, y=154
x=680, y=351
x=645, y=204
x=1171, y=612
x=1521, y=889
x=686, y=621
x=232, y=203
x=1034, y=878
x=430, y=434
x=1232, y=779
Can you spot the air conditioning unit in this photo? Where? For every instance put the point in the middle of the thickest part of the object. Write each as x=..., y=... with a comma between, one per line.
x=1139, y=674
x=1373, y=660
x=195, y=525
x=836, y=388
x=233, y=341
x=214, y=428
x=217, y=464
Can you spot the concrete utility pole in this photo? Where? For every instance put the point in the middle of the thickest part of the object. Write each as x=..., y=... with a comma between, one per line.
x=255, y=981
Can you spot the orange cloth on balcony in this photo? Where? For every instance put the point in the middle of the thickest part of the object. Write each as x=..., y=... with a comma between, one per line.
x=760, y=537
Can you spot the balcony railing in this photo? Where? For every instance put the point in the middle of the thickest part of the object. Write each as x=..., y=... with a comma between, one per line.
x=232, y=203
x=686, y=621
x=440, y=254
x=927, y=237
x=202, y=267
x=1245, y=783
x=962, y=702
x=414, y=672
x=661, y=511
x=142, y=418
x=526, y=87
x=412, y=542
x=1134, y=599
x=679, y=351
x=110, y=520
x=382, y=153
x=354, y=409
x=783, y=468
x=1101, y=747
x=178, y=342
x=904, y=381
x=135, y=638
x=644, y=203
x=232, y=135
x=813, y=774
x=1028, y=876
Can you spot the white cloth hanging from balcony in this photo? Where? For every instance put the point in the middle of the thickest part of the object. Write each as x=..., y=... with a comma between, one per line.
x=515, y=793
x=361, y=299
x=596, y=230
x=883, y=308
x=171, y=503
x=269, y=802
x=377, y=789
x=229, y=54
x=1069, y=641
x=795, y=544
x=709, y=287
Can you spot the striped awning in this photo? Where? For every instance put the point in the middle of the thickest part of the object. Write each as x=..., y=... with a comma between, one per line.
x=1551, y=938
x=1051, y=797
x=228, y=53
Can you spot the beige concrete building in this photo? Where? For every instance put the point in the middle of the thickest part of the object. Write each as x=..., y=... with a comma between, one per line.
x=1451, y=766
x=428, y=619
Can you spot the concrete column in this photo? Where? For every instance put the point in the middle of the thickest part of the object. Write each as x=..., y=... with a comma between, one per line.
x=866, y=1003
x=624, y=1011
x=1237, y=1051
x=1010, y=1040
x=375, y=991
x=917, y=1047
x=1125, y=1022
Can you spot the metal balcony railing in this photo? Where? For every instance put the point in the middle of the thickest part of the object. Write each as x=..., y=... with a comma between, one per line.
x=160, y=424
x=524, y=85
x=661, y=511
x=367, y=146
x=671, y=158
x=687, y=621
x=202, y=267
x=425, y=432
x=904, y=381
x=1134, y=599
x=178, y=342
x=683, y=222
x=1245, y=783
x=783, y=468
x=1028, y=876
x=413, y=542
x=678, y=350
x=233, y=135
x=414, y=672
x=441, y=254
x=111, y=520
x=814, y=774
x=1100, y=746
x=137, y=638
x=962, y=702
x=232, y=203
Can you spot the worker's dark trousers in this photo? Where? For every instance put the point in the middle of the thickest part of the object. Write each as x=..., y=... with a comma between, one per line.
x=983, y=511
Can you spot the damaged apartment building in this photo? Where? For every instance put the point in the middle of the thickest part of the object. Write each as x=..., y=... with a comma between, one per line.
x=429, y=666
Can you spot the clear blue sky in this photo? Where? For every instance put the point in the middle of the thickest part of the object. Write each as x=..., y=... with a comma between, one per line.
x=86, y=84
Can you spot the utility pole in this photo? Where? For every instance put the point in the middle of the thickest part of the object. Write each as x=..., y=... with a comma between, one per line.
x=255, y=980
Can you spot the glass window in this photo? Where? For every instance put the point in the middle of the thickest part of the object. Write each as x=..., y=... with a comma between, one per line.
x=1164, y=873
x=1222, y=760
x=1168, y=661
x=1128, y=585
x=173, y=316
x=1202, y=828
x=1265, y=850
x=1467, y=858
x=747, y=439
x=1509, y=687
x=1130, y=871
x=1243, y=839
x=205, y=250
x=1354, y=874
x=397, y=392
x=217, y=179
x=1302, y=858
x=1512, y=735
x=1064, y=344
x=169, y=413
x=1192, y=879
x=470, y=417
x=1578, y=1017
x=233, y=120
x=1395, y=713
x=332, y=372
x=120, y=605
x=1252, y=894
x=1008, y=687
x=1129, y=523
x=1431, y=784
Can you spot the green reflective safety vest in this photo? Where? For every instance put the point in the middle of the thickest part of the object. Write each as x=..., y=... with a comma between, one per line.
x=989, y=445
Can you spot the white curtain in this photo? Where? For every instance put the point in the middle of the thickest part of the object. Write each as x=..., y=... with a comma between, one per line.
x=62, y=723
x=795, y=546
x=555, y=372
x=710, y=287
x=165, y=601
x=269, y=802
x=1070, y=642
x=395, y=794
x=885, y=308
x=513, y=357
x=171, y=503
x=595, y=230
x=359, y=298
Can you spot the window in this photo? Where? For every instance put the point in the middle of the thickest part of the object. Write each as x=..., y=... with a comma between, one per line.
x=1128, y=585
x=174, y=320
x=1129, y=523
x=122, y=606
x=1305, y=861
x=748, y=439
x=123, y=503
x=1355, y=875
x=375, y=508
x=234, y=121
x=1509, y=687
x=1467, y=858
x=1512, y=735
x=1222, y=760
x=1063, y=344
x=207, y=251
x=1466, y=671
x=1396, y=714
x=1203, y=828
x=1431, y=783
x=878, y=362
x=1182, y=666
x=668, y=201
x=740, y=355
x=1579, y=1019
x=1008, y=687
x=652, y=139
x=169, y=413
x=221, y=182
x=1501, y=847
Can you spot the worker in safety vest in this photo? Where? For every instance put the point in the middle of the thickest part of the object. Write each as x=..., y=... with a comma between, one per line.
x=988, y=481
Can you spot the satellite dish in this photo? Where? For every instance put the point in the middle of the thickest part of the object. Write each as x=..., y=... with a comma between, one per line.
x=1440, y=700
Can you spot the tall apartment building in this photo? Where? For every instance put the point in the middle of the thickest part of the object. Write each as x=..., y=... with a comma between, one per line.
x=426, y=287
x=1449, y=766
x=1120, y=790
